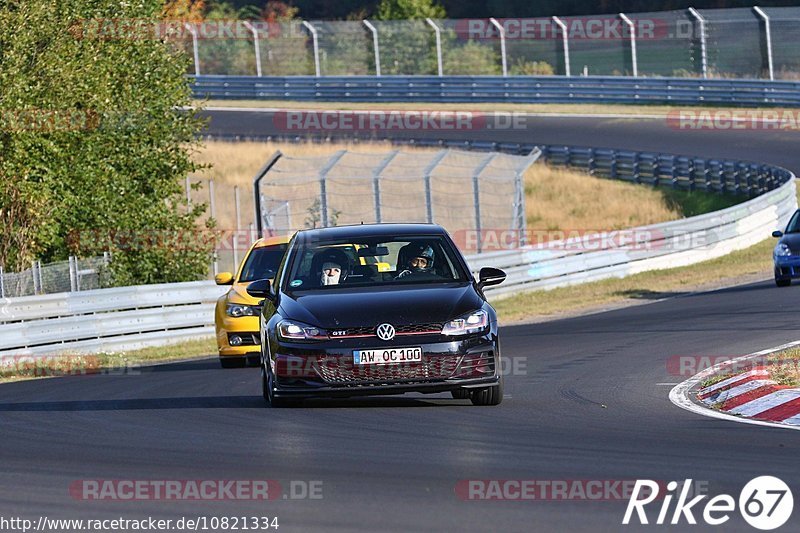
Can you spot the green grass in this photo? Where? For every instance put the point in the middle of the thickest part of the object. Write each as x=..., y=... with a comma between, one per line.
x=78, y=364
x=691, y=203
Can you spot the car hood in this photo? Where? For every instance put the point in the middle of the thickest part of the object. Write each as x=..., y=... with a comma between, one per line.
x=350, y=307
x=238, y=295
x=792, y=240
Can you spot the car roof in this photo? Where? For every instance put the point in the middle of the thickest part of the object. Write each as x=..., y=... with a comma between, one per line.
x=272, y=241
x=357, y=231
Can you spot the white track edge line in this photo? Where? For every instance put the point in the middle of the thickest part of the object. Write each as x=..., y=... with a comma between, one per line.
x=679, y=395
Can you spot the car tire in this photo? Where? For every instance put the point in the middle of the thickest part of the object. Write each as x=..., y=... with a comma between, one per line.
x=783, y=282
x=460, y=394
x=488, y=395
x=267, y=390
x=232, y=362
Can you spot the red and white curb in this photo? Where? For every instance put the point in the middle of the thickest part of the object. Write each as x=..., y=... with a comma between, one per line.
x=749, y=397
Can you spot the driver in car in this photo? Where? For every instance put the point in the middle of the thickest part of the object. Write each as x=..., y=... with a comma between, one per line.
x=331, y=273
x=415, y=260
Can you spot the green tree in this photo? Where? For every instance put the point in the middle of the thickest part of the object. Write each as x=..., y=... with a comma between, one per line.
x=409, y=9
x=93, y=143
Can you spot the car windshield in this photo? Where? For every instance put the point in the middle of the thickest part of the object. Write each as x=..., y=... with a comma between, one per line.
x=374, y=261
x=262, y=263
x=794, y=224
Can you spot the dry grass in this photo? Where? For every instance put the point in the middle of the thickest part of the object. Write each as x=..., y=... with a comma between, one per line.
x=784, y=367
x=556, y=198
x=564, y=199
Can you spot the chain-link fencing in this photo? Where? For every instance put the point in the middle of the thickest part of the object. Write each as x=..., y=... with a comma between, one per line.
x=462, y=191
x=75, y=274
x=740, y=42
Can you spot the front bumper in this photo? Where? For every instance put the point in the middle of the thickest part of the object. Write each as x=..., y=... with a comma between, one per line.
x=787, y=267
x=303, y=370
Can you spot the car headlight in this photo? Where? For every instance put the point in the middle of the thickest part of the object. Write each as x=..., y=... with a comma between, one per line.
x=297, y=331
x=237, y=310
x=470, y=323
x=782, y=250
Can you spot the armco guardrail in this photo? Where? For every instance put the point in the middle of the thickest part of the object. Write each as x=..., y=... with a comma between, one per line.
x=518, y=89
x=107, y=320
x=132, y=317
x=671, y=244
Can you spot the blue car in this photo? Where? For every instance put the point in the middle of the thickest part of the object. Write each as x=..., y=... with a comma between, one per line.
x=786, y=255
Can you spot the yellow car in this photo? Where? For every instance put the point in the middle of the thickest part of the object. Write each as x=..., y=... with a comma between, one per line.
x=237, y=313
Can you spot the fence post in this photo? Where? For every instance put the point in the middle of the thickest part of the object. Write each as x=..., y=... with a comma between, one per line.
x=2, y=282
x=564, y=43
x=703, y=51
x=188, y=186
x=73, y=274
x=427, y=181
x=315, y=43
x=502, y=32
x=237, y=212
x=77, y=275
x=255, y=43
x=213, y=213
x=193, y=31
x=257, y=186
x=376, y=183
x=632, y=27
x=375, y=46
x=323, y=185
x=37, y=281
x=438, y=32
x=768, y=31
x=476, y=195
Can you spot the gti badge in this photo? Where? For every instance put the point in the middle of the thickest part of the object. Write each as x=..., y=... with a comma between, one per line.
x=385, y=332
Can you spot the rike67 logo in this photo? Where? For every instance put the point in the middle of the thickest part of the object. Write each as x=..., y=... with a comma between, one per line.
x=765, y=503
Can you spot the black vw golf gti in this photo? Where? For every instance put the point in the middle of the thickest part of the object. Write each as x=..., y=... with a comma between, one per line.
x=378, y=309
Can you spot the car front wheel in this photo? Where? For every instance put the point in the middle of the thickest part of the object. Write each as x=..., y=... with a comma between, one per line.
x=783, y=282
x=268, y=389
x=488, y=395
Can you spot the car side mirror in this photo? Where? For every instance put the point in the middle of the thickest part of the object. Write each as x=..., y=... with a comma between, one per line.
x=489, y=276
x=777, y=234
x=224, y=278
x=261, y=288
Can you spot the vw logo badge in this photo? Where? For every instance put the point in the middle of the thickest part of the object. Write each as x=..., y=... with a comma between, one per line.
x=385, y=332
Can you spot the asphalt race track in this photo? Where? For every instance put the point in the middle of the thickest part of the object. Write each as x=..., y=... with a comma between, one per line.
x=586, y=400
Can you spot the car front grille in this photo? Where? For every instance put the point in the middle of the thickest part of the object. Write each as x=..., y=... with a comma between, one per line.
x=370, y=331
x=340, y=370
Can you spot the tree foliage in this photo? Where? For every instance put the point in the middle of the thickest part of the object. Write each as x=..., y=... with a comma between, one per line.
x=93, y=145
x=409, y=9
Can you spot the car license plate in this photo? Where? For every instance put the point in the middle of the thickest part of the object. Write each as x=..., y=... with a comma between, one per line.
x=387, y=356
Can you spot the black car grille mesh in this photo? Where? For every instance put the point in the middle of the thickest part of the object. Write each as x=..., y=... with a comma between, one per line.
x=342, y=371
x=410, y=329
x=476, y=365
